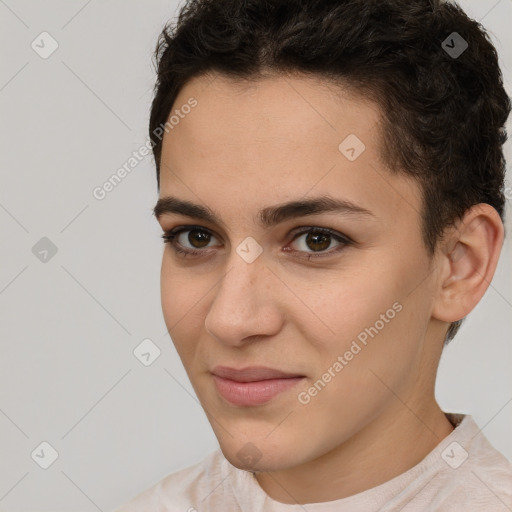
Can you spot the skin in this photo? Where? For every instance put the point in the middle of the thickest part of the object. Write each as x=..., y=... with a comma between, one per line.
x=248, y=146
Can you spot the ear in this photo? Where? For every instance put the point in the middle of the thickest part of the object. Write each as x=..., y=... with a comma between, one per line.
x=468, y=258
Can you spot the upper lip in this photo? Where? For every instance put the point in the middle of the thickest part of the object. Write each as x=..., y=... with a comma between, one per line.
x=252, y=373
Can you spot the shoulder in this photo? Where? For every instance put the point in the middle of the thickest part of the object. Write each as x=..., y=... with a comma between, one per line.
x=473, y=475
x=180, y=490
x=475, y=486
x=486, y=476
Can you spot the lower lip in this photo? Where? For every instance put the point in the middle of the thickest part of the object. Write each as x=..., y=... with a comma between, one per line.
x=253, y=393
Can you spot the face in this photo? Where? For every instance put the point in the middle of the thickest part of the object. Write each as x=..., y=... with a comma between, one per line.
x=337, y=299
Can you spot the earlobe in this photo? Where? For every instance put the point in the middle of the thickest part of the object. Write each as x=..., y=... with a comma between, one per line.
x=469, y=265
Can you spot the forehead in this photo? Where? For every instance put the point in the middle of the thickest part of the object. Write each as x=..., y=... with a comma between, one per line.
x=277, y=111
x=276, y=139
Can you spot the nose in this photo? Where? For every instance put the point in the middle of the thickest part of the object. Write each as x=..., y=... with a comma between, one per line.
x=246, y=305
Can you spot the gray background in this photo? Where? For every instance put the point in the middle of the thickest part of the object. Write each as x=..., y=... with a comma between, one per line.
x=69, y=324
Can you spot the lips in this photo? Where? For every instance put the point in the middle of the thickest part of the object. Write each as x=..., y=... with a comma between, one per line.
x=253, y=385
x=252, y=373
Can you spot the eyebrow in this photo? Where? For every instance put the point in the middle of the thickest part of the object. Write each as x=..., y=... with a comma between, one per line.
x=267, y=217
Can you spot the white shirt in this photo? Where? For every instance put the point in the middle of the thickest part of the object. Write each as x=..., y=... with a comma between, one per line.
x=464, y=473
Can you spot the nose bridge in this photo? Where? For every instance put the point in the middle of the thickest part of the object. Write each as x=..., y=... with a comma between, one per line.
x=241, y=301
x=246, y=267
x=239, y=282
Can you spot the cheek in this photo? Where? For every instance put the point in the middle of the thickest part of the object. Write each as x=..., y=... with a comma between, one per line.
x=346, y=304
x=358, y=379
x=371, y=317
x=370, y=355
x=181, y=296
x=170, y=298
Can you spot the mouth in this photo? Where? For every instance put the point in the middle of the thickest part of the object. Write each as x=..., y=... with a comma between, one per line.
x=253, y=385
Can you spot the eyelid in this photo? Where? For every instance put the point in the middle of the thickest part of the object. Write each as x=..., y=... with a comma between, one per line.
x=170, y=236
x=319, y=229
x=345, y=241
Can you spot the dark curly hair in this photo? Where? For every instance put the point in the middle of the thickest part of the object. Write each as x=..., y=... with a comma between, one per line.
x=443, y=114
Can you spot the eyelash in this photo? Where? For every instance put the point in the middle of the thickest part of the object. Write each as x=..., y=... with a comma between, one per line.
x=169, y=237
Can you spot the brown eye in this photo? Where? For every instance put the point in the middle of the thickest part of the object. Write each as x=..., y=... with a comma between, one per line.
x=194, y=241
x=319, y=240
x=191, y=241
x=198, y=239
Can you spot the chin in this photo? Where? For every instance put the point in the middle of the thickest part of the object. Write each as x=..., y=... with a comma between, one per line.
x=259, y=455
